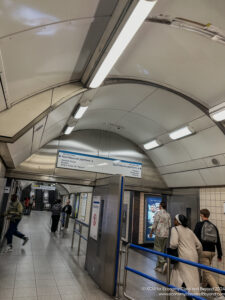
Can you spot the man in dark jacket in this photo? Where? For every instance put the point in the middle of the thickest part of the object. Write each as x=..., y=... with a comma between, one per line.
x=208, y=235
x=67, y=210
x=56, y=211
x=14, y=215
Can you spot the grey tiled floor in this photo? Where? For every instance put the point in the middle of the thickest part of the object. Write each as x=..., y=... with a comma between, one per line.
x=45, y=268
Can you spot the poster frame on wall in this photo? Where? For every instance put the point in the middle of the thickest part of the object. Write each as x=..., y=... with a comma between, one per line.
x=149, y=199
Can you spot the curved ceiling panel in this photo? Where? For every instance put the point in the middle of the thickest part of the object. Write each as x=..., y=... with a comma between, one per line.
x=168, y=109
x=21, y=15
x=137, y=112
x=45, y=57
x=204, y=11
x=120, y=96
x=176, y=58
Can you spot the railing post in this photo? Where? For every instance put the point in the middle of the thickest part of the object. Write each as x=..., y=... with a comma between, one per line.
x=119, y=271
x=168, y=278
x=125, y=274
x=78, y=249
x=74, y=227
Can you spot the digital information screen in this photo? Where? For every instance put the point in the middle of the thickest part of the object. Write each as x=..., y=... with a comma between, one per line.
x=151, y=208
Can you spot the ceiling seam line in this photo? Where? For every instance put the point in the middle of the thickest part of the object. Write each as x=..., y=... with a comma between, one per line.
x=204, y=109
x=191, y=170
x=50, y=24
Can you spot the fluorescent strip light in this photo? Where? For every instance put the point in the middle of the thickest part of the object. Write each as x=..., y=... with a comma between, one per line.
x=219, y=115
x=151, y=145
x=182, y=132
x=132, y=25
x=68, y=130
x=79, y=113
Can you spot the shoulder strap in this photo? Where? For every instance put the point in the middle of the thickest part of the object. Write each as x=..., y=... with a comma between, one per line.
x=177, y=232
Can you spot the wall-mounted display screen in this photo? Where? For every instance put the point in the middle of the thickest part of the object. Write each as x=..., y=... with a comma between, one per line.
x=151, y=208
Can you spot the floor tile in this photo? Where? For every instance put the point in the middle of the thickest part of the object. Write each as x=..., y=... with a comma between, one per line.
x=25, y=292
x=25, y=283
x=45, y=282
x=6, y=293
x=47, y=290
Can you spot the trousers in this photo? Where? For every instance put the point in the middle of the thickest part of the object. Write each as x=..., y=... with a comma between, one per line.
x=55, y=222
x=160, y=245
x=207, y=277
x=12, y=230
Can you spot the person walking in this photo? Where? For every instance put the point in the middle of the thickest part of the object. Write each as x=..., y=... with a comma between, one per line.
x=208, y=235
x=189, y=248
x=56, y=211
x=31, y=204
x=161, y=226
x=14, y=214
x=26, y=205
x=67, y=210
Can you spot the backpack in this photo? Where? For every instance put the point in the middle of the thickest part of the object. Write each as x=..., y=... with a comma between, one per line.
x=209, y=233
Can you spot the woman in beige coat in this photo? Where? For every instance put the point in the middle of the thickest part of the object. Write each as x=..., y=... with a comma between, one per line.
x=189, y=248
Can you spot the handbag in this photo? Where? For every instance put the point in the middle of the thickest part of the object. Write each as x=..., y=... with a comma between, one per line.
x=173, y=252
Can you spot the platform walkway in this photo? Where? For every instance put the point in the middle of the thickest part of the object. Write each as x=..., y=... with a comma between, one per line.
x=47, y=269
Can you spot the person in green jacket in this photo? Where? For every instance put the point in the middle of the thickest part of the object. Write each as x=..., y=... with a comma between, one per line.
x=14, y=214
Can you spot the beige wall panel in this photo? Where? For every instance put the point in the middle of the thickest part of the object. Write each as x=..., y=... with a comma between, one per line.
x=65, y=92
x=21, y=149
x=17, y=117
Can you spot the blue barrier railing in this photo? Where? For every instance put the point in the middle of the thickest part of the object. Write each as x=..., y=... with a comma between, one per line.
x=168, y=285
x=188, y=262
x=82, y=236
x=79, y=232
x=164, y=284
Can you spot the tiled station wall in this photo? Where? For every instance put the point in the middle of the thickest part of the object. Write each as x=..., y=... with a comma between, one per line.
x=213, y=199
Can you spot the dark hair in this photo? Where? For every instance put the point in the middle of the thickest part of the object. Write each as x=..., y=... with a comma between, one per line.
x=205, y=212
x=14, y=197
x=183, y=220
x=163, y=204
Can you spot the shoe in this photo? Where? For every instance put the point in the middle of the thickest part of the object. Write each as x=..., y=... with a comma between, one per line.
x=25, y=240
x=158, y=269
x=164, y=268
x=8, y=249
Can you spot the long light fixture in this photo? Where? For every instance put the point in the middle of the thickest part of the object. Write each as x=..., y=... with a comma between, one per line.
x=179, y=133
x=134, y=22
x=80, y=112
x=151, y=145
x=68, y=129
x=218, y=112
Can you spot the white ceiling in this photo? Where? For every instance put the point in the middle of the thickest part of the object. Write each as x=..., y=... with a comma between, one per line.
x=45, y=46
x=183, y=60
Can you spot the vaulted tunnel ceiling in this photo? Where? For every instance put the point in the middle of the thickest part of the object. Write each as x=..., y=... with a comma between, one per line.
x=44, y=46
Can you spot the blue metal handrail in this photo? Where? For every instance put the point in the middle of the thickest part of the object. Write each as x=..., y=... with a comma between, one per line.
x=82, y=223
x=164, y=284
x=188, y=262
x=82, y=236
x=200, y=266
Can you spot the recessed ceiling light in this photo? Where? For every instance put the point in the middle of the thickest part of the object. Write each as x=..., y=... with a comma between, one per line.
x=151, y=145
x=218, y=112
x=68, y=130
x=179, y=133
x=80, y=112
